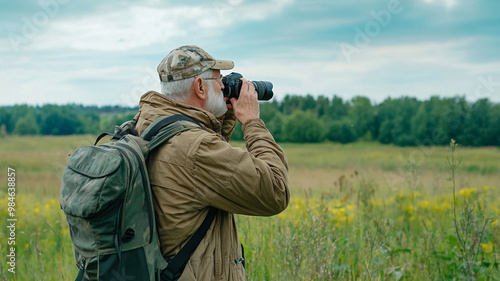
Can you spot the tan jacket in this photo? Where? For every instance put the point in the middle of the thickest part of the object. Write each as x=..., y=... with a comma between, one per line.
x=198, y=169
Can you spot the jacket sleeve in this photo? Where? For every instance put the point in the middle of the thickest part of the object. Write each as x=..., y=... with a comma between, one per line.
x=251, y=182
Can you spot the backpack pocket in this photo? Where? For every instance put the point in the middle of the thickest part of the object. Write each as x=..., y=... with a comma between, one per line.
x=94, y=179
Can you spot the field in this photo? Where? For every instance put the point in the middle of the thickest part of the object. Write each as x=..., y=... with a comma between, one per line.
x=362, y=211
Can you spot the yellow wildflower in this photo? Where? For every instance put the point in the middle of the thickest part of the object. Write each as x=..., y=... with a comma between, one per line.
x=409, y=209
x=423, y=204
x=467, y=192
x=487, y=247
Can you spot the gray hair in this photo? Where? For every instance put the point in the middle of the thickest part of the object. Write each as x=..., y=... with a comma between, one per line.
x=179, y=90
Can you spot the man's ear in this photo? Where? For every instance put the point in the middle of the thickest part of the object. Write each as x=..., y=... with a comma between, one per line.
x=200, y=89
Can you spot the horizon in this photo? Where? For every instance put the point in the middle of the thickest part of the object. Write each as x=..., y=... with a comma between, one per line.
x=262, y=101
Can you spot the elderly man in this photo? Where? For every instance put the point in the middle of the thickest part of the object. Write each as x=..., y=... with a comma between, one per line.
x=198, y=169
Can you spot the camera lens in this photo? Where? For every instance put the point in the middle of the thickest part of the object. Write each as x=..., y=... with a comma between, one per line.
x=232, y=87
x=264, y=90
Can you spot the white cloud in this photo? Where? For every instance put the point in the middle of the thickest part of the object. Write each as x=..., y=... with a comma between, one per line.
x=447, y=3
x=139, y=26
x=64, y=74
x=63, y=55
x=418, y=69
x=451, y=54
x=25, y=82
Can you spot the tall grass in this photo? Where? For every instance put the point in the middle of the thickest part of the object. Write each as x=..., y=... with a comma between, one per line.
x=358, y=212
x=406, y=236
x=361, y=230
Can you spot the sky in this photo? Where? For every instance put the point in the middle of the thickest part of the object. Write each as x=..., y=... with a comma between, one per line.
x=106, y=52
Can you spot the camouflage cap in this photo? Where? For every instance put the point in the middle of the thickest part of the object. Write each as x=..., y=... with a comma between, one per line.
x=189, y=61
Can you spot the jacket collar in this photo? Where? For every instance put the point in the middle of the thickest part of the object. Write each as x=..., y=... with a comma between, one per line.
x=154, y=105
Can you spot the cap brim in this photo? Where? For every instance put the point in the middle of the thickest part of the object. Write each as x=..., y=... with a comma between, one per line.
x=223, y=65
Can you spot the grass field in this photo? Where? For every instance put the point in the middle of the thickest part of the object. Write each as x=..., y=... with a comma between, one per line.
x=361, y=211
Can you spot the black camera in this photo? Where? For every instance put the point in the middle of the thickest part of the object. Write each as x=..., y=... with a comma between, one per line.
x=232, y=87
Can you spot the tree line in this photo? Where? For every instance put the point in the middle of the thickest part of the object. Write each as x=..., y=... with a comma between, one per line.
x=403, y=121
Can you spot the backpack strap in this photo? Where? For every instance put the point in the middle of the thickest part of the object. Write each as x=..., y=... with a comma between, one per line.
x=156, y=133
x=177, y=264
x=164, y=121
x=166, y=127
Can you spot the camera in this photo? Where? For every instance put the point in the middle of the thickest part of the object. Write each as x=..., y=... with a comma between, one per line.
x=232, y=87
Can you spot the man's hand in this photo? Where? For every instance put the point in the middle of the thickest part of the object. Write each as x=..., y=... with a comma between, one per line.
x=246, y=107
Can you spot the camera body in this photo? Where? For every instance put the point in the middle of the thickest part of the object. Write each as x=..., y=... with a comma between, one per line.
x=232, y=87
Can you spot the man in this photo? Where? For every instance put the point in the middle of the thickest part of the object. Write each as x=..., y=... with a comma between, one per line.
x=199, y=169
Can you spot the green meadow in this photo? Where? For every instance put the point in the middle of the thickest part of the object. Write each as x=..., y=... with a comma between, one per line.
x=359, y=211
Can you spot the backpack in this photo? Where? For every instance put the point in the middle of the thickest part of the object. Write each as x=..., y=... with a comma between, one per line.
x=106, y=197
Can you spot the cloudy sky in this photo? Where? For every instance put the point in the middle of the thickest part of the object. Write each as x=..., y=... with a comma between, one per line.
x=106, y=52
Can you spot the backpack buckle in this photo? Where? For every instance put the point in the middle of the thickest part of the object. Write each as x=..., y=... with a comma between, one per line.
x=81, y=263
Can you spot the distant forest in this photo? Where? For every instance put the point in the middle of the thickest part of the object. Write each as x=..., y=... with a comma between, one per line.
x=402, y=121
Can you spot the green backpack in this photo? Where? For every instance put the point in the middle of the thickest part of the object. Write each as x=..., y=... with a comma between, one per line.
x=106, y=197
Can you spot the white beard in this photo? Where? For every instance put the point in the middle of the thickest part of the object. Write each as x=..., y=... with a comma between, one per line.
x=215, y=103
